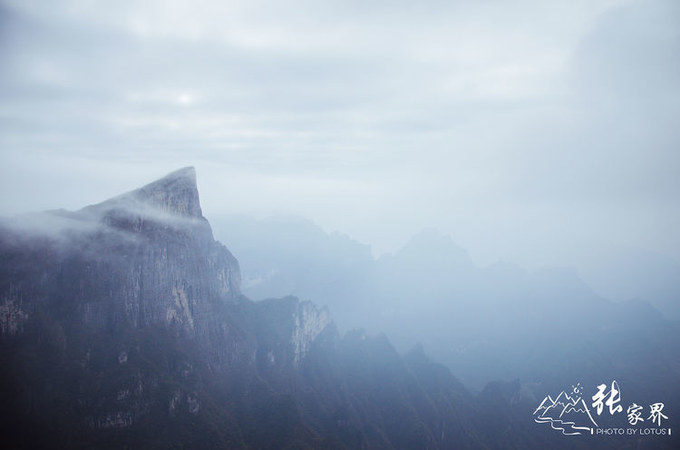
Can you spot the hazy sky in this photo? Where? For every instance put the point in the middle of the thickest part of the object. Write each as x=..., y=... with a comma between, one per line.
x=535, y=131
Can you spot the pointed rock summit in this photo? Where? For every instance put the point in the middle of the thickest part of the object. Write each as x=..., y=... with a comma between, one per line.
x=175, y=194
x=146, y=257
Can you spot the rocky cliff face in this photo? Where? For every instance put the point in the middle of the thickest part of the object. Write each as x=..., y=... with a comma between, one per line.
x=145, y=257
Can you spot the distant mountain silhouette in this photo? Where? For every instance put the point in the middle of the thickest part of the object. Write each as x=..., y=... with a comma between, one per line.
x=485, y=323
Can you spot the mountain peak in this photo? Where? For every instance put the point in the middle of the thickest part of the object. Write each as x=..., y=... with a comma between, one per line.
x=175, y=194
x=185, y=173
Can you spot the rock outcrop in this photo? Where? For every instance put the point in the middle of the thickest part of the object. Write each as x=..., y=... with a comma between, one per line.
x=146, y=257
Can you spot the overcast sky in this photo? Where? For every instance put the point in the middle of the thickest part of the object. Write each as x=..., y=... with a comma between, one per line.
x=535, y=131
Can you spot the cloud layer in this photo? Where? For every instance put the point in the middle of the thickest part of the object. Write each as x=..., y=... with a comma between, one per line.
x=530, y=130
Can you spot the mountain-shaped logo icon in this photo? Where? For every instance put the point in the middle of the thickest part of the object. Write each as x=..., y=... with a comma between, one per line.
x=567, y=413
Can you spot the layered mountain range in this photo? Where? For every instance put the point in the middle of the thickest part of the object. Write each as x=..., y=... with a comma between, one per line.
x=123, y=325
x=547, y=328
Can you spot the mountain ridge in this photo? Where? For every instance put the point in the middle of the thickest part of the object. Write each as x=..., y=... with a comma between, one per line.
x=126, y=327
x=128, y=319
